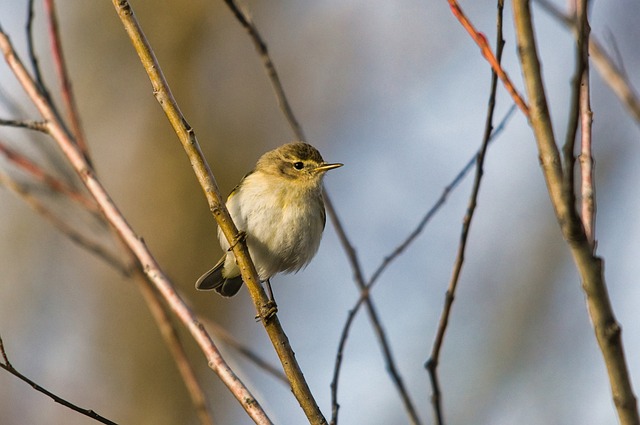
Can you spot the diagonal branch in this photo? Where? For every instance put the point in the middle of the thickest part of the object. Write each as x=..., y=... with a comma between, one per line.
x=6, y=365
x=135, y=244
x=203, y=173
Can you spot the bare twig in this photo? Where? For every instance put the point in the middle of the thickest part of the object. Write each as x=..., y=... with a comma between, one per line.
x=481, y=41
x=189, y=142
x=86, y=412
x=376, y=324
x=590, y=267
x=261, y=47
x=130, y=239
x=611, y=73
x=40, y=126
x=432, y=363
x=63, y=77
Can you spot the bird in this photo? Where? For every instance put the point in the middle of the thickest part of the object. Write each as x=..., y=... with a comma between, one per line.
x=279, y=206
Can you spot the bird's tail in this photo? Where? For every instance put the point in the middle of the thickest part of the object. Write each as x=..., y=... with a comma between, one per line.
x=213, y=279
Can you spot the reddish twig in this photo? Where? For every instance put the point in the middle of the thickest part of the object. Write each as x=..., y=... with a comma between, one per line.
x=481, y=41
x=63, y=77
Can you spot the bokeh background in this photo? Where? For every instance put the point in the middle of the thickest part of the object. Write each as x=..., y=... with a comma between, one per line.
x=398, y=92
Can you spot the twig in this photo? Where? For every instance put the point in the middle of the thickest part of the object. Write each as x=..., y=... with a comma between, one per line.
x=261, y=48
x=86, y=412
x=63, y=77
x=587, y=163
x=481, y=41
x=375, y=323
x=189, y=142
x=40, y=126
x=129, y=237
x=611, y=73
x=393, y=255
x=590, y=267
x=434, y=359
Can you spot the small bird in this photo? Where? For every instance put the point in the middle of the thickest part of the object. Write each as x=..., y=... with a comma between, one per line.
x=280, y=207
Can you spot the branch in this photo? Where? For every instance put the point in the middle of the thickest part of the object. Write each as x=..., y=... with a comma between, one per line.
x=481, y=41
x=261, y=47
x=63, y=76
x=590, y=267
x=128, y=236
x=612, y=74
x=432, y=363
x=203, y=173
x=6, y=365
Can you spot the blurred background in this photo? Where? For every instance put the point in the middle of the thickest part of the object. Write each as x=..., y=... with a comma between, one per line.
x=397, y=91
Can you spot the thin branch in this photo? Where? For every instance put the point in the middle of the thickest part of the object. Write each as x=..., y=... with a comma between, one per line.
x=203, y=173
x=432, y=363
x=129, y=237
x=587, y=163
x=63, y=76
x=590, y=267
x=352, y=256
x=376, y=324
x=40, y=126
x=612, y=74
x=261, y=47
x=485, y=49
x=86, y=412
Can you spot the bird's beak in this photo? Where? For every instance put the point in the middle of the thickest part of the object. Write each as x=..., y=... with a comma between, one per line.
x=327, y=167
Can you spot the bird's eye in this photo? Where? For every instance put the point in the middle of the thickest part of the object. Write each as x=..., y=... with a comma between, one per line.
x=298, y=165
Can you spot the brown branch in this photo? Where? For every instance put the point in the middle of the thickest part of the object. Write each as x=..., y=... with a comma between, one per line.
x=6, y=365
x=261, y=47
x=376, y=324
x=434, y=359
x=590, y=267
x=612, y=74
x=128, y=236
x=481, y=41
x=203, y=173
x=63, y=77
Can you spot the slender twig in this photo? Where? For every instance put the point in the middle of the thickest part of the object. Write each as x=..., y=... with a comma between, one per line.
x=591, y=268
x=587, y=163
x=86, y=412
x=351, y=254
x=190, y=144
x=128, y=236
x=40, y=126
x=261, y=47
x=611, y=73
x=63, y=76
x=481, y=41
x=432, y=363
x=32, y=51
x=376, y=324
